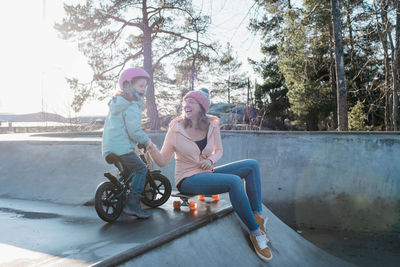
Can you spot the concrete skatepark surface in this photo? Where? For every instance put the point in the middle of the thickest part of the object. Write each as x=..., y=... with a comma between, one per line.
x=45, y=182
x=75, y=236
x=41, y=233
x=226, y=243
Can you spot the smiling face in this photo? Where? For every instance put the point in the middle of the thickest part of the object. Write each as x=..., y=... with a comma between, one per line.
x=140, y=85
x=191, y=109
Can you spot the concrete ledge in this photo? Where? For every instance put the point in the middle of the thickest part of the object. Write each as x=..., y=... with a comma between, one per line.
x=344, y=180
x=162, y=239
x=100, y=133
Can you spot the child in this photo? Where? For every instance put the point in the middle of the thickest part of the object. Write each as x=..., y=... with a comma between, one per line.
x=122, y=131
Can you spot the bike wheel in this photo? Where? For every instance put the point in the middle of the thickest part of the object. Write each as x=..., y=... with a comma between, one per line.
x=108, y=205
x=154, y=197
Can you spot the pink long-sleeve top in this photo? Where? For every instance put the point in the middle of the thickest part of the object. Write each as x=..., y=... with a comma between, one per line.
x=188, y=157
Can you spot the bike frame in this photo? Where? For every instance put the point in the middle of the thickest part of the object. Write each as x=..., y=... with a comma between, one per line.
x=124, y=185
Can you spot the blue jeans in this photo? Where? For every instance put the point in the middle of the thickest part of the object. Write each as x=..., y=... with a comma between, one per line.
x=227, y=178
x=137, y=169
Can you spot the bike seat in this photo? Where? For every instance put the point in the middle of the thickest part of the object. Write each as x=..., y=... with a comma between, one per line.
x=116, y=160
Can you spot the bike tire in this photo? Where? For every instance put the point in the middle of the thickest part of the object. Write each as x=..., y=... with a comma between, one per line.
x=154, y=197
x=108, y=206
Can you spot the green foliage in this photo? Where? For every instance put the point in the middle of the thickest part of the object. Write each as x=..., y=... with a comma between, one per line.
x=116, y=34
x=229, y=84
x=299, y=56
x=358, y=118
x=305, y=69
x=271, y=95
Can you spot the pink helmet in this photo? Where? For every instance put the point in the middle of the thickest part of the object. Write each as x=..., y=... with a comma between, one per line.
x=129, y=74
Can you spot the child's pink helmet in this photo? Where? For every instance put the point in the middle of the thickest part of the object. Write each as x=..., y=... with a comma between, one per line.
x=129, y=74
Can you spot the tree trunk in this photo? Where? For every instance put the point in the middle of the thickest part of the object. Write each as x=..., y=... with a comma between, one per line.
x=383, y=36
x=339, y=60
x=152, y=111
x=384, y=6
x=395, y=66
x=248, y=92
x=332, y=78
x=351, y=39
x=312, y=123
x=195, y=58
x=229, y=88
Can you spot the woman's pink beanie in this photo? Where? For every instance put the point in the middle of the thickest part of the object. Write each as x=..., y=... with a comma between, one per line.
x=201, y=96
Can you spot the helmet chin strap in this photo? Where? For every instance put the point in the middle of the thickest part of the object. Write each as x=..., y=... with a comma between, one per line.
x=136, y=93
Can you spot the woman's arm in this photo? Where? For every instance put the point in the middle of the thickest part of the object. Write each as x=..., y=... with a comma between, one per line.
x=218, y=150
x=164, y=156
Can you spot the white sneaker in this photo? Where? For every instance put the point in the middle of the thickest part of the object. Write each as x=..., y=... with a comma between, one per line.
x=262, y=222
x=261, y=246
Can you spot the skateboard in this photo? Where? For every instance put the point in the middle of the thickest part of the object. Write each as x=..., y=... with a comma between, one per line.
x=184, y=202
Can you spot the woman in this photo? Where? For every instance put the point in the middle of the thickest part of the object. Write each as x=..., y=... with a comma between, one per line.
x=195, y=140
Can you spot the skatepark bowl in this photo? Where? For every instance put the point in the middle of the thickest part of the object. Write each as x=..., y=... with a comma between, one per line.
x=331, y=199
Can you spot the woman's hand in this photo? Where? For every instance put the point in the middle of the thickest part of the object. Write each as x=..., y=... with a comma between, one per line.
x=206, y=164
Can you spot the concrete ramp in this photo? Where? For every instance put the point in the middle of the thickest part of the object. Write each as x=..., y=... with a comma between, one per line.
x=57, y=171
x=224, y=242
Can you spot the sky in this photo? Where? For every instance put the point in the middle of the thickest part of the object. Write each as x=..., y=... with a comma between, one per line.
x=35, y=61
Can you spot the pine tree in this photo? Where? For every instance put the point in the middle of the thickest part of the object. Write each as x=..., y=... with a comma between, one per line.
x=305, y=69
x=116, y=34
x=358, y=118
x=271, y=95
x=229, y=84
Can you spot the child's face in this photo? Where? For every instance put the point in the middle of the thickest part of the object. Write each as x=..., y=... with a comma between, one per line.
x=140, y=85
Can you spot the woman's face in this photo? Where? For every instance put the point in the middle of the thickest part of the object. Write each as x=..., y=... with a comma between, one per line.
x=191, y=108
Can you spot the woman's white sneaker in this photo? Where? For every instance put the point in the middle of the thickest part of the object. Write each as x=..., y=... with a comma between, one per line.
x=261, y=223
x=261, y=246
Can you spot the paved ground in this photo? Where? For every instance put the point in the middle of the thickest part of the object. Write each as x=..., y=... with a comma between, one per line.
x=38, y=232
x=362, y=249
x=226, y=243
x=44, y=184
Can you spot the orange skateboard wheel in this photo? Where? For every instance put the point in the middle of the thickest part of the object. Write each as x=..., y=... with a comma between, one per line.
x=177, y=205
x=192, y=205
x=201, y=197
x=215, y=197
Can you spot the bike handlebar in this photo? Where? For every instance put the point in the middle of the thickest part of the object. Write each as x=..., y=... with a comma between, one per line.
x=142, y=146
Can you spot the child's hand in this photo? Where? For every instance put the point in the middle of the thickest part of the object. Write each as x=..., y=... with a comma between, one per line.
x=206, y=164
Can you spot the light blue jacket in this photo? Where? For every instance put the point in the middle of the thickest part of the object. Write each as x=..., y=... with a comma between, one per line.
x=122, y=128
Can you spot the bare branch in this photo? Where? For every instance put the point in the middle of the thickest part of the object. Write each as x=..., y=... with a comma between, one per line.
x=118, y=34
x=361, y=70
x=311, y=12
x=167, y=55
x=139, y=25
x=180, y=36
x=123, y=63
x=177, y=8
x=155, y=22
x=155, y=10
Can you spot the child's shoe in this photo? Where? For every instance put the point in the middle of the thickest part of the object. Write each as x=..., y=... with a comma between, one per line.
x=261, y=247
x=260, y=221
x=133, y=207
